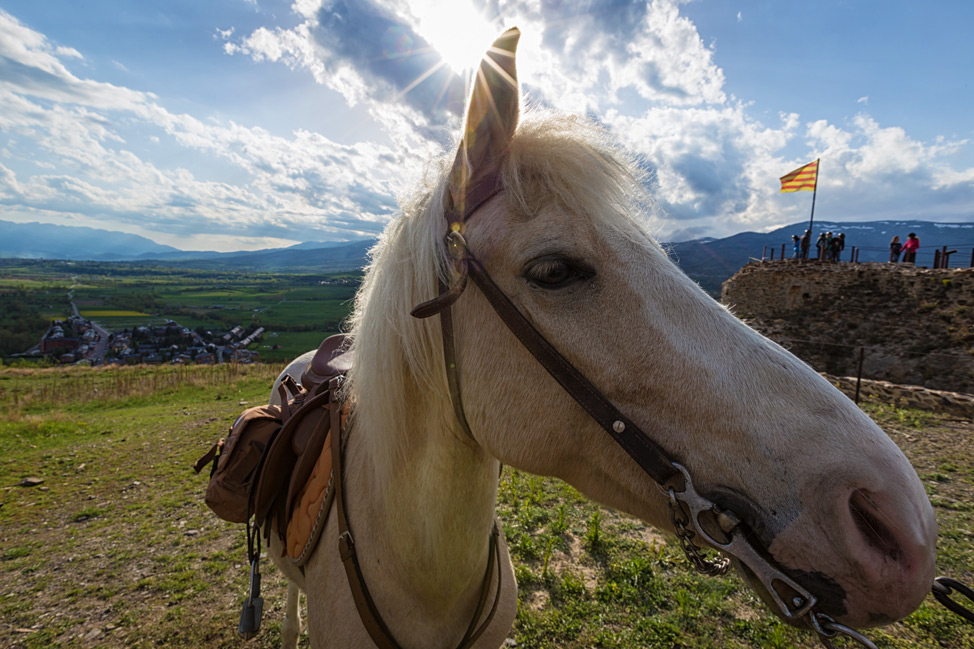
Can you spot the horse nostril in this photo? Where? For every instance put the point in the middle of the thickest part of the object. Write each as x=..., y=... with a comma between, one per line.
x=866, y=514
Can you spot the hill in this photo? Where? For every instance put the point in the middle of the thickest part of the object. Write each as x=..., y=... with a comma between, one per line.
x=47, y=241
x=301, y=258
x=76, y=243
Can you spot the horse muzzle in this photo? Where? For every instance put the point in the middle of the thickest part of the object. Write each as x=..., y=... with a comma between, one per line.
x=867, y=553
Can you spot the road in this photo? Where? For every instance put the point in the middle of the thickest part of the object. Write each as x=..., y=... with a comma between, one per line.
x=98, y=348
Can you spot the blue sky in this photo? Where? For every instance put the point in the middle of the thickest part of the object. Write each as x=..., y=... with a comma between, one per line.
x=240, y=124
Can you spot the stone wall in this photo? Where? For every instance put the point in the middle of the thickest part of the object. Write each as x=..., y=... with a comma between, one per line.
x=913, y=325
x=907, y=396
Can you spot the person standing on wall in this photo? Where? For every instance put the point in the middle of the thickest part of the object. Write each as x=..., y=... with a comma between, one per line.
x=826, y=253
x=894, y=249
x=838, y=245
x=910, y=248
x=806, y=242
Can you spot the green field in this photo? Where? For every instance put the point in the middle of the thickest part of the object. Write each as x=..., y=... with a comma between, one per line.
x=115, y=547
x=300, y=309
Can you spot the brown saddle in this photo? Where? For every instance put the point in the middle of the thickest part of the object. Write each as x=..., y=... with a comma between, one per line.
x=293, y=486
x=275, y=466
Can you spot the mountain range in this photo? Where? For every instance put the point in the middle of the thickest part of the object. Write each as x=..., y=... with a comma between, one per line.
x=708, y=261
x=47, y=241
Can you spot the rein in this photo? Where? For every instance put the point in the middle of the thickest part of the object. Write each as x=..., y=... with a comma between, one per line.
x=691, y=513
x=367, y=610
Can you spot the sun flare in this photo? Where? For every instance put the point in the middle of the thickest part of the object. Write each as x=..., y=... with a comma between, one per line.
x=456, y=30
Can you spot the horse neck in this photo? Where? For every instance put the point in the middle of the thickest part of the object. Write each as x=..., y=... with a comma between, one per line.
x=424, y=512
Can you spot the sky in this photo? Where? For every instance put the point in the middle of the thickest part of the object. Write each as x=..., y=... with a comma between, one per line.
x=246, y=124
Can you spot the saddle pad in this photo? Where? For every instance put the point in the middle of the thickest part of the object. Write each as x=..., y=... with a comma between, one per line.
x=311, y=508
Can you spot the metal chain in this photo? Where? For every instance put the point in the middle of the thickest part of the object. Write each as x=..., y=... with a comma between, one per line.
x=823, y=625
x=943, y=587
x=828, y=629
x=710, y=567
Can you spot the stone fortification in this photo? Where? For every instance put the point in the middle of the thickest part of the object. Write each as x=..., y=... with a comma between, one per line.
x=915, y=325
x=958, y=404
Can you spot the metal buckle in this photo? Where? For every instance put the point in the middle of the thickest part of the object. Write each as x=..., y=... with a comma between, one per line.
x=346, y=545
x=456, y=245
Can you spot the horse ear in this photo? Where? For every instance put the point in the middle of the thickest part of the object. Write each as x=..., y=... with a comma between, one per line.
x=492, y=116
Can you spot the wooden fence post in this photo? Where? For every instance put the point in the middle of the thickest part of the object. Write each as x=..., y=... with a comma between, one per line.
x=862, y=352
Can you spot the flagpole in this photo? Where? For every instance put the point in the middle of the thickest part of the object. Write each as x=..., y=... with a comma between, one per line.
x=811, y=219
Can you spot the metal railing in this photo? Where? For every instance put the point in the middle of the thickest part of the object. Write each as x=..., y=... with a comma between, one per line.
x=940, y=256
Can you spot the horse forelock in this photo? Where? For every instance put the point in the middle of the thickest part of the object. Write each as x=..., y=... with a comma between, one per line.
x=573, y=162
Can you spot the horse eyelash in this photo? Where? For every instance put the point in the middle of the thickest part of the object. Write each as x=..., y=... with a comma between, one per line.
x=579, y=271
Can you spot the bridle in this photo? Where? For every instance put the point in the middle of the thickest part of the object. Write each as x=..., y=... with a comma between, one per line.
x=691, y=513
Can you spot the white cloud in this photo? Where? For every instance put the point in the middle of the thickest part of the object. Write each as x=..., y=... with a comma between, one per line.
x=79, y=146
x=68, y=52
x=299, y=184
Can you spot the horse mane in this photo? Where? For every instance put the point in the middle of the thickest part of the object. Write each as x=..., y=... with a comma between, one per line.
x=398, y=358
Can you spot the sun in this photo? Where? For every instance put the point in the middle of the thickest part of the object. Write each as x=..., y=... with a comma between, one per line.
x=458, y=33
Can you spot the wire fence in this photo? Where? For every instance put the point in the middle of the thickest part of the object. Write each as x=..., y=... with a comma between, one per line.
x=952, y=256
x=938, y=370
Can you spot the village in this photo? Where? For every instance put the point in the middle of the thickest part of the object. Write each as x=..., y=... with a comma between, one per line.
x=79, y=340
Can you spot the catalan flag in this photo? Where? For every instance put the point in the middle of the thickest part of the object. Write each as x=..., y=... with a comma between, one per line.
x=801, y=179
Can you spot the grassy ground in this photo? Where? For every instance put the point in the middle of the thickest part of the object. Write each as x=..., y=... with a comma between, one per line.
x=115, y=547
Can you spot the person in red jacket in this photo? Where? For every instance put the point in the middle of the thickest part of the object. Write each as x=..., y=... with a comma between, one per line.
x=910, y=248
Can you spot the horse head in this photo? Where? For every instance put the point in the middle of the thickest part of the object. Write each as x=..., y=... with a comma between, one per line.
x=549, y=209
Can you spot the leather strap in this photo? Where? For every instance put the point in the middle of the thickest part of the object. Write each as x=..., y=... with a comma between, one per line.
x=647, y=454
x=209, y=457
x=367, y=610
x=452, y=372
x=463, y=202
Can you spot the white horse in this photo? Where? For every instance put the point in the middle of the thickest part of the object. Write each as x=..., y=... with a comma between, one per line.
x=835, y=504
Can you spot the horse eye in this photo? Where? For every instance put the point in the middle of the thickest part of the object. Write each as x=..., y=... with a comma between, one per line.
x=555, y=272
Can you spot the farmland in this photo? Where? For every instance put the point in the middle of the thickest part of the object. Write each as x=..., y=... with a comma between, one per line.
x=115, y=547
x=297, y=311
